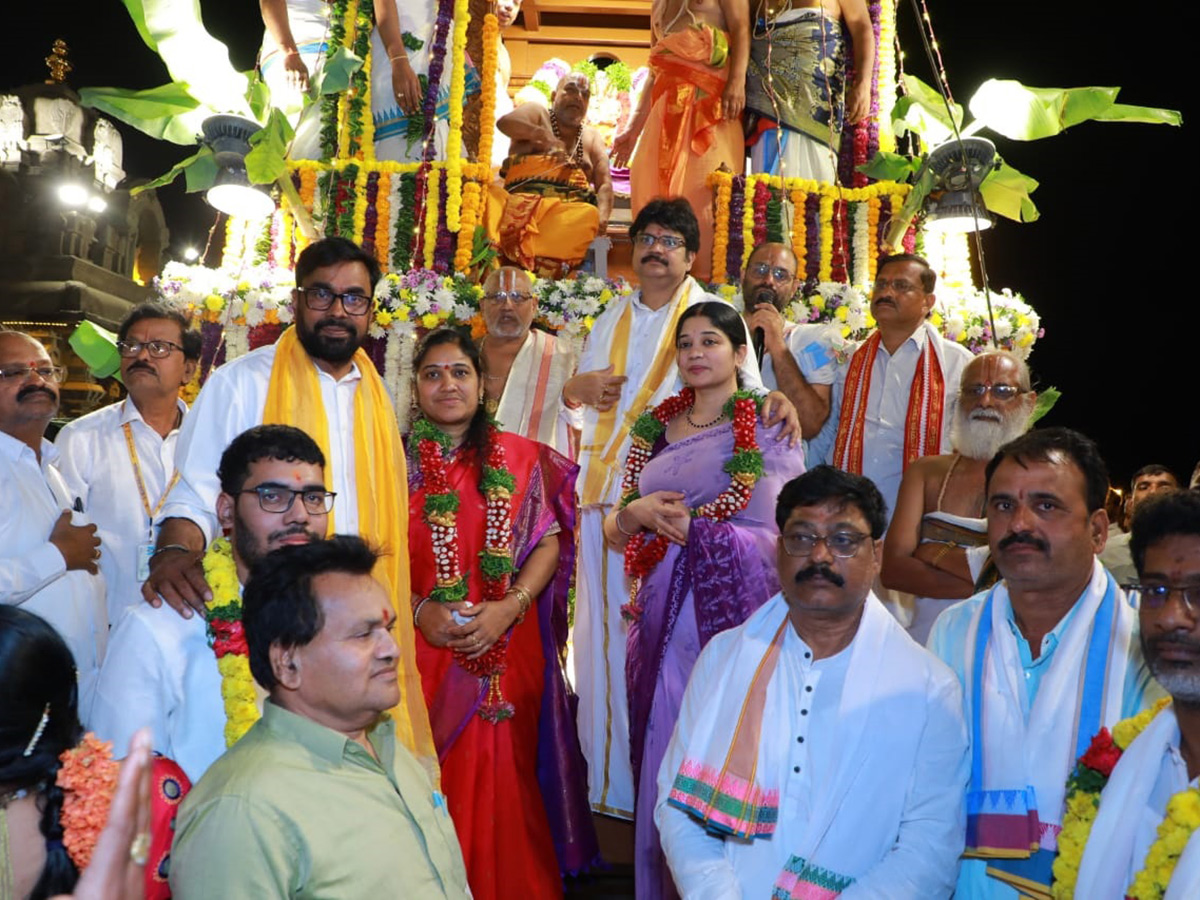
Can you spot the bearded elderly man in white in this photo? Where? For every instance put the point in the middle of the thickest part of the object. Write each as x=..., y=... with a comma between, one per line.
x=1151, y=804
x=820, y=751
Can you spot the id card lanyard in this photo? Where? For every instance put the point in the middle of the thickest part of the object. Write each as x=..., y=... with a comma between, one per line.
x=145, y=549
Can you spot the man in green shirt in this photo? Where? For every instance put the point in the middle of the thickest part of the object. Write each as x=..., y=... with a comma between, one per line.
x=318, y=799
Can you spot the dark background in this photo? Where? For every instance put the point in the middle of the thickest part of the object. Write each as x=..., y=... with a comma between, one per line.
x=1108, y=266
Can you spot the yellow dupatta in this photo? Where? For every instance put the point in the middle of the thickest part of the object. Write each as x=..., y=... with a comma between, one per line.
x=602, y=452
x=294, y=398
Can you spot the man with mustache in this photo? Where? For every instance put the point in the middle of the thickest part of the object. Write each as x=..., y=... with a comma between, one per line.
x=1148, y=481
x=895, y=399
x=320, y=798
x=524, y=368
x=628, y=366
x=940, y=513
x=1046, y=657
x=1157, y=772
x=161, y=670
x=558, y=192
x=317, y=378
x=120, y=460
x=819, y=748
x=48, y=548
x=795, y=358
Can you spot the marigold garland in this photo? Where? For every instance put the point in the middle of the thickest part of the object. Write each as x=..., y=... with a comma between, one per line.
x=747, y=222
x=487, y=76
x=885, y=73
x=88, y=779
x=472, y=194
x=825, y=269
x=1087, y=780
x=440, y=512
x=721, y=231
x=228, y=641
x=432, y=188
x=645, y=550
x=458, y=79
x=383, y=223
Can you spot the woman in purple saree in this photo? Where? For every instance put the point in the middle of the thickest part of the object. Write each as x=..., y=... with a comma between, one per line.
x=714, y=574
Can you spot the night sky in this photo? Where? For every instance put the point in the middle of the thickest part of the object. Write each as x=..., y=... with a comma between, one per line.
x=1103, y=266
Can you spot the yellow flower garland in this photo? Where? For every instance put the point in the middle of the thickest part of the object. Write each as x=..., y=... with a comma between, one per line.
x=873, y=208
x=748, y=219
x=431, y=215
x=487, y=76
x=360, y=205
x=799, y=230
x=237, y=685
x=886, y=83
x=1081, y=809
x=1174, y=833
x=366, y=146
x=383, y=216
x=721, y=229
x=466, y=232
x=825, y=269
x=462, y=16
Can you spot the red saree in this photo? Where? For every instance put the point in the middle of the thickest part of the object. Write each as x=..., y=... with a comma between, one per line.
x=516, y=790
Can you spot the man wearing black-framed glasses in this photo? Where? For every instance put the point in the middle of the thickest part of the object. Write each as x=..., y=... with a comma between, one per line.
x=120, y=459
x=804, y=715
x=48, y=547
x=315, y=377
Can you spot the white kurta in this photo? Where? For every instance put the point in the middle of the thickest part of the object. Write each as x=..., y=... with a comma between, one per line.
x=95, y=463
x=600, y=583
x=160, y=672
x=887, y=407
x=33, y=573
x=233, y=400
x=881, y=761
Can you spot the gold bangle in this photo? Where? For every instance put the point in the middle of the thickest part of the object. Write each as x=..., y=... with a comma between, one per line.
x=524, y=600
x=617, y=521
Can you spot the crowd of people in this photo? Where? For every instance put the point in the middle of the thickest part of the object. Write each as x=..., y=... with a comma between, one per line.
x=357, y=650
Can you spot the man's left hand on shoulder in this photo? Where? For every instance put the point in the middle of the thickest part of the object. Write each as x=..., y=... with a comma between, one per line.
x=777, y=408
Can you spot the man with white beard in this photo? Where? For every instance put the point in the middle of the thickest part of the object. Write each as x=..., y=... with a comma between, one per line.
x=939, y=515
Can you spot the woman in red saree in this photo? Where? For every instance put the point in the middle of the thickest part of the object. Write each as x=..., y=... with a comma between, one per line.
x=492, y=622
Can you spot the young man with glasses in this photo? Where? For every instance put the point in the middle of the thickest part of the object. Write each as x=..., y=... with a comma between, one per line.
x=48, y=548
x=1046, y=658
x=628, y=367
x=818, y=737
x=1156, y=775
x=317, y=378
x=524, y=368
x=894, y=400
x=161, y=670
x=120, y=460
x=936, y=549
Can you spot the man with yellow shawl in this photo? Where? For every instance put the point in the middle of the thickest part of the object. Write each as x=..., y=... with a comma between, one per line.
x=316, y=378
x=689, y=114
x=557, y=193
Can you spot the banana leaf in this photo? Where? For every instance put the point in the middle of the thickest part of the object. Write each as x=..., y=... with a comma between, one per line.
x=168, y=112
x=199, y=170
x=1006, y=192
x=267, y=158
x=1044, y=403
x=923, y=112
x=1027, y=113
x=887, y=166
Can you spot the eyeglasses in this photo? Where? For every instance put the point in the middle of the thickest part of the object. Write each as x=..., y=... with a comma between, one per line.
x=900, y=285
x=669, y=241
x=760, y=270
x=998, y=391
x=273, y=498
x=1155, y=596
x=842, y=544
x=321, y=298
x=157, y=349
x=516, y=298
x=21, y=371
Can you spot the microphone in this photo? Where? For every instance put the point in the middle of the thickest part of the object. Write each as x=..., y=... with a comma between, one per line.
x=760, y=339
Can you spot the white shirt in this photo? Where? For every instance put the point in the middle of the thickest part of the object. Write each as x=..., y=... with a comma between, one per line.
x=233, y=400
x=811, y=350
x=928, y=836
x=887, y=407
x=95, y=463
x=160, y=672
x=33, y=573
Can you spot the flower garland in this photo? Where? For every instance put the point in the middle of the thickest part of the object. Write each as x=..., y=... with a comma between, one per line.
x=344, y=139
x=873, y=207
x=225, y=636
x=437, y=63
x=429, y=246
x=88, y=778
x=825, y=270
x=358, y=227
x=440, y=513
x=798, y=230
x=646, y=550
x=721, y=235
x=331, y=104
x=885, y=73
x=383, y=222
x=458, y=79
x=487, y=76
x=1088, y=779
x=748, y=211
x=472, y=197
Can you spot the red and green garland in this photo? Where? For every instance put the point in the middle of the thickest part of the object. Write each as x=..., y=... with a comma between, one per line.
x=646, y=550
x=440, y=513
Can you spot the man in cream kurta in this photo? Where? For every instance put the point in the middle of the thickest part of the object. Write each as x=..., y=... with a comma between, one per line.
x=839, y=737
x=1157, y=776
x=160, y=670
x=1054, y=643
x=627, y=367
